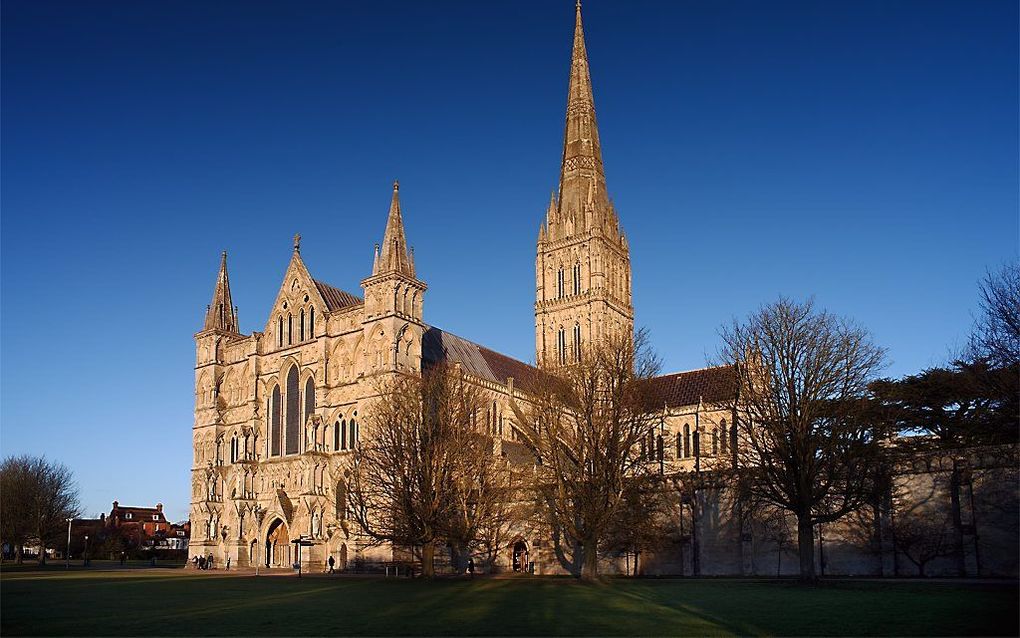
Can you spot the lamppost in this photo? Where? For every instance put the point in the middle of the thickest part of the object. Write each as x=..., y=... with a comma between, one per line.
x=67, y=555
x=86, y=550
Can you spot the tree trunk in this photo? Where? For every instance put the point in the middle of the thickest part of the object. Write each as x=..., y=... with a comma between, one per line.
x=954, y=499
x=806, y=548
x=428, y=554
x=590, y=567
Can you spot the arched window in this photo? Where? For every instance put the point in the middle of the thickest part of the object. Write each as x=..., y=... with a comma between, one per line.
x=353, y=434
x=715, y=442
x=309, y=398
x=293, y=432
x=233, y=448
x=343, y=434
x=336, y=436
x=724, y=437
x=559, y=283
x=577, y=342
x=275, y=436
x=311, y=322
x=577, y=278
x=561, y=346
x=679, y=444
x=302, y=330
x=687, y=439
x=341, y=501
x=279, y=331
x=697, y=443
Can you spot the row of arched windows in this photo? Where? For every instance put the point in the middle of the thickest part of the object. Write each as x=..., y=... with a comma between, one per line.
x=575, y=279
x=561, y=345
x=305, y=328
x=688, y=444
x=346, y=434
x=285, y=414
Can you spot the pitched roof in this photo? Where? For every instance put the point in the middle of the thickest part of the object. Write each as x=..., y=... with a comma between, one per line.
x=138, y=513
x=439, y=346
x=336, y=298
x=709, y=385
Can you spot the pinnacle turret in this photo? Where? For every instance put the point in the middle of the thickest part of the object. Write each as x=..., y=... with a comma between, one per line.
x=393, y=255
x=221, y=313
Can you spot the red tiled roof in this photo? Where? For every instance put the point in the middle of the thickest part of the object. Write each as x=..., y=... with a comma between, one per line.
x=138, y=514
x=709, y=385
x=439, y=346
x=336, y=298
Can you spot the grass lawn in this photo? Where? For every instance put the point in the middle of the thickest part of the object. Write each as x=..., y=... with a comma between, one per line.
x=178, y=602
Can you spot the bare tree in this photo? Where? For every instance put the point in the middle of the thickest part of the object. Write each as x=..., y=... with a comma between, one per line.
x=808, y=442
x=646, y=519
x=38, y=496
x=585, y=427
x=996, y=335
x=920, y=527
x=424, y=473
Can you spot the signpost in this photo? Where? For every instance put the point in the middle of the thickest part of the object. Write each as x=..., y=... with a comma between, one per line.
x=299, y=542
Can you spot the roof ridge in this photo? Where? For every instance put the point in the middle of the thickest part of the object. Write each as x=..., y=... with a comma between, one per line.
x=702, y=369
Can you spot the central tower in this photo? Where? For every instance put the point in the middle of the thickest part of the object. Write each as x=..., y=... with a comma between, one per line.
x=582, y=267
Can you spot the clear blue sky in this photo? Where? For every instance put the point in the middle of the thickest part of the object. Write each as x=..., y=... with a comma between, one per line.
x=863, y=152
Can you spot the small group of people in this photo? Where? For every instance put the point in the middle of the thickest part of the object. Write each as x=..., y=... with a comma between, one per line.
x=203, y=562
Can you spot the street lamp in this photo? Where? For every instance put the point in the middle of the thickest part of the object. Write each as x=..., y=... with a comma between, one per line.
x=86, y=550
x=67, y=554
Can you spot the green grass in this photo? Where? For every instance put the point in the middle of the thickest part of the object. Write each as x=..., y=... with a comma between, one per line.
x=178, y=602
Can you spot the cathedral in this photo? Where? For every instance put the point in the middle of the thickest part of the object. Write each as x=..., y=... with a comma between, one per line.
x=277, y=411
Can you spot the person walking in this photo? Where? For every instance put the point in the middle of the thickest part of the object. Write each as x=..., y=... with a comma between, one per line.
x=471, y=567
x=228, y=564
x=331, y=562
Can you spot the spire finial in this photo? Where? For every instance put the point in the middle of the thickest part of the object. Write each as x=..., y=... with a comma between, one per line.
x=396, y=185
x=297, y=242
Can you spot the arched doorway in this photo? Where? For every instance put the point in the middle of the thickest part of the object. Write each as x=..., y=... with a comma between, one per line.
x=277, y=545
x=340, y=556
x=520, y=557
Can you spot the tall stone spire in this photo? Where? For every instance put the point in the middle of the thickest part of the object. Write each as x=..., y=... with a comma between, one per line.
x=393, y=254
x=581, y=172
x=221, y=314
x=582, y=262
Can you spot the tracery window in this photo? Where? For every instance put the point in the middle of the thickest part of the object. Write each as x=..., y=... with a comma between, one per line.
x=577, y=342
x=293, y=433
x=353, y=434
x=336, y=436
x=302, y=327
x=309, y=398
x=561, y=346
x=311, y=322
x=559, y=283
x=279, y=331
x=275, y=436
x=290, y=329
x=577, y=278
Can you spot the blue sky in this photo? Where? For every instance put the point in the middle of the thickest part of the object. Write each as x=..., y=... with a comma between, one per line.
x=862, y=152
